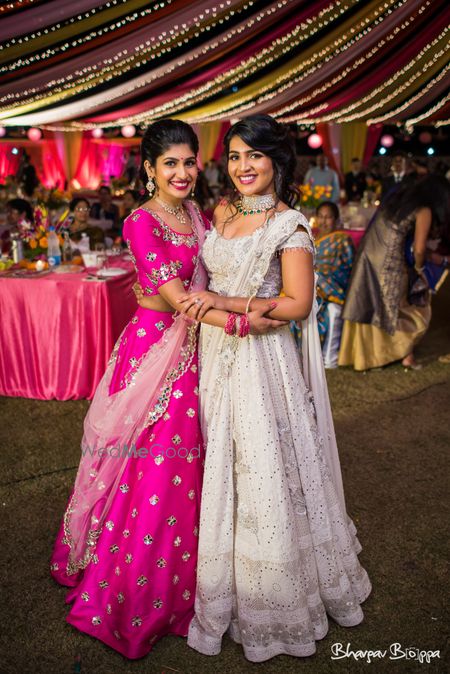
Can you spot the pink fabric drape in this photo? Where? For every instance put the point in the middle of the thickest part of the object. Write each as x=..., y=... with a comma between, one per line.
x=58, y=332
x=43, y=155
x=373, y=134
x=9, y=162
x=331, y=136
x=88, y=172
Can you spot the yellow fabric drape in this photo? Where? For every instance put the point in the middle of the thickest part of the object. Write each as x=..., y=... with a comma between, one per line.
x=353, y=142
x=208, y=136
x=69, y=150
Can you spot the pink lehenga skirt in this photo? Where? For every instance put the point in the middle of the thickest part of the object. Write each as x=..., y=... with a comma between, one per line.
x=140, y=583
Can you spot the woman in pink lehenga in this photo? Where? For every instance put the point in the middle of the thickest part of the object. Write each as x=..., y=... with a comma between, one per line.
x=128, y=541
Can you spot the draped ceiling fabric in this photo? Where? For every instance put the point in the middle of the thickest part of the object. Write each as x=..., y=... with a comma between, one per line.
x=68, y=65
x=345, y=67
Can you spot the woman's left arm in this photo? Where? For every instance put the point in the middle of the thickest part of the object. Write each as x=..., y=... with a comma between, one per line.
x=421, y=232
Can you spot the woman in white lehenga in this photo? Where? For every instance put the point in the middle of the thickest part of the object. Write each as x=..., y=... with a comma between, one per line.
x=277, y=551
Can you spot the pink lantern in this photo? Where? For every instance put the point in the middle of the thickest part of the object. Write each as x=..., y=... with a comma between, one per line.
x=387, y=140
x=34, y=134
x=425, y=137
x=97, y=133
x=128, y=131
x=315, y=141
x=2, y=131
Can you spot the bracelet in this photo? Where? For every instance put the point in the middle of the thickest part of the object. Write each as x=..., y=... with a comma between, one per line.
x=244, y=325
x=419, y=270
x=248, y=303
x=230, y=325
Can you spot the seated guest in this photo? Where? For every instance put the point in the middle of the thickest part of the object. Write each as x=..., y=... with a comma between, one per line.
x=104, y=209
x=16, y=211
x=355, y=181
x=79, y=209
x=334, y=260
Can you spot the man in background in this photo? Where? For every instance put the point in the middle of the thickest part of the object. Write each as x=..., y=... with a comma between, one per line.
x=355, y=181
x=324, y=176
x=398, y=175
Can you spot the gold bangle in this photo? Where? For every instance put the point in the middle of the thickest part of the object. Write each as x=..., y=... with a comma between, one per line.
x=248, y=303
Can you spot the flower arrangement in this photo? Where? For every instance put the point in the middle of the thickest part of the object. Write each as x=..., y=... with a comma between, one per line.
x=313, y=195
x=34, y=235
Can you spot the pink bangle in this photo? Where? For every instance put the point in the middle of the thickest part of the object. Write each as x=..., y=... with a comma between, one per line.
x=244, y=326
x=230, y=325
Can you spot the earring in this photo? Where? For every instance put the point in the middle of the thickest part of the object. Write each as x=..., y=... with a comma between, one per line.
x=193, y=190
x=151, y=187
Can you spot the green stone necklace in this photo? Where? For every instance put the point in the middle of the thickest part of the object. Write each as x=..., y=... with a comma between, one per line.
x=258, y=203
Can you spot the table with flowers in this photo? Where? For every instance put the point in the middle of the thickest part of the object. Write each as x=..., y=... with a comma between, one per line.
x=59, y=325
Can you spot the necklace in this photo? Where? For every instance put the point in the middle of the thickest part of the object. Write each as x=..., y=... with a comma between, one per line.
x=255, y=204
x=177, y=211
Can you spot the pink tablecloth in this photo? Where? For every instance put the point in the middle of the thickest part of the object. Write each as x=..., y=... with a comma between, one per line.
x=57, y=332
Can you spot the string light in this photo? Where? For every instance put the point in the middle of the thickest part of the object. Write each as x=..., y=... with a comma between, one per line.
x=249, y=67
x=120, y=63
x=77, y=22
x=86, y=78
x=288, y=79
x=340, y=117
x=133, y=85
x=413, y=99
x=344, y=73
x=410, y=123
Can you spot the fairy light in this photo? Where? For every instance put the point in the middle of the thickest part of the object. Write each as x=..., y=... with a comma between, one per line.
x=418, y=72
x=86, y=76
x=297, y=74
x=12, y=6
x=179, y=62
x=248, y=67
x=410, y=123
x=413, y=99
x=74, y=41
x=105, y=9
x=383, y=42
x=265, y=56
x=320, y=90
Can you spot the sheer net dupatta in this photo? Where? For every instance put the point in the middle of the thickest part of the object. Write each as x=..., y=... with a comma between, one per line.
x=115, y=422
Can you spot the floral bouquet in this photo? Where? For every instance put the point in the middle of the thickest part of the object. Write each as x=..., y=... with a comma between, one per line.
x=34, y=235
x=313, y=195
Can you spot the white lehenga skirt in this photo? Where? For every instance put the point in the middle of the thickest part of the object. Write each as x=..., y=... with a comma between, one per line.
x=276, y=551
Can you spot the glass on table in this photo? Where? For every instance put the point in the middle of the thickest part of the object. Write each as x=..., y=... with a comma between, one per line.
x=102, y=261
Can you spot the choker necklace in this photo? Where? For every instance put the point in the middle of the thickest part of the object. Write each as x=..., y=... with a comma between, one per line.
x=255, y=204
x=177, y=211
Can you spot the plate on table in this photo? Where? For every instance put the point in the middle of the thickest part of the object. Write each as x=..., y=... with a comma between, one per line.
x=110, y=272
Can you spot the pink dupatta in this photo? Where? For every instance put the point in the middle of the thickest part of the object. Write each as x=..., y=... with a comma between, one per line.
x=114, y=423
